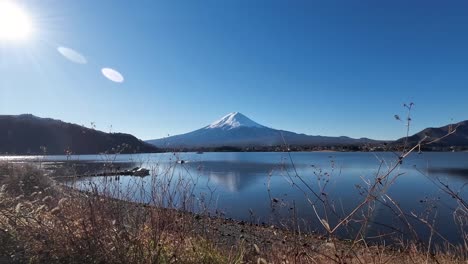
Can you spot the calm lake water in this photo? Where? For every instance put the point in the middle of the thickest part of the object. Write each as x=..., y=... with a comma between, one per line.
x=278, y=188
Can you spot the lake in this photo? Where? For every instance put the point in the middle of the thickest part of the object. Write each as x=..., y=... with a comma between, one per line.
x=284, y=188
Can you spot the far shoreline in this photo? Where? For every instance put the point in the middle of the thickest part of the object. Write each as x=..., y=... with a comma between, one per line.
x=195, y=152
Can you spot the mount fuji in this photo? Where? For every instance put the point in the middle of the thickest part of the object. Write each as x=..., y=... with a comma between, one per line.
x=237, y=130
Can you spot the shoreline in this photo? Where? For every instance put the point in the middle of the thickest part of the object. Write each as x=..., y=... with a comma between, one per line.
x=260, y=239
x=4, y=157
x=57, y=221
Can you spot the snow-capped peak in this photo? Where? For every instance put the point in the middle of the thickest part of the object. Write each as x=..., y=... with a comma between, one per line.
x=234, y=120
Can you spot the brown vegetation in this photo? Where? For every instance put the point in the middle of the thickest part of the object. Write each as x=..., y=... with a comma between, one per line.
x=45, y=222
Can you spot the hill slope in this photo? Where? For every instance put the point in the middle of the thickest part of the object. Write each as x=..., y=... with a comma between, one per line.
x=26, y=134
x=459, y=138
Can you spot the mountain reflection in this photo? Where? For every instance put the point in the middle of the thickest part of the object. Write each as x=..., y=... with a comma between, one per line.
x=231, y=180
x=234, y=176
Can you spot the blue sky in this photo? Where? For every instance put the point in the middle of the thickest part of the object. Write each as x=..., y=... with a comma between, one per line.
x=316, y=67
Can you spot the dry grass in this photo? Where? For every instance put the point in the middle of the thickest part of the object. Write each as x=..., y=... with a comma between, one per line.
x=42, y=222
x=45, y=222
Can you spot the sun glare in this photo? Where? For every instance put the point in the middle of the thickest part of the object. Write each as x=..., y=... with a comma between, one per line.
x=14, y=22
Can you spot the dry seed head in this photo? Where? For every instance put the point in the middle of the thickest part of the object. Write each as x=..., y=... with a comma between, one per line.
x=325, y=224
x=55, y=211
x=41, y=208
x=257, y=249
x=18, y=208
x=62, y=202
x=47, y=199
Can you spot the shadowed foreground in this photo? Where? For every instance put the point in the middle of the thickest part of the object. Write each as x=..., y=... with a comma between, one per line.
x=42, y=221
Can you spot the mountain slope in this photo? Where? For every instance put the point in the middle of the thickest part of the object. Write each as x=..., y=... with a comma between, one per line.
x=27, y=134
x=459, y=138
x=235, y=129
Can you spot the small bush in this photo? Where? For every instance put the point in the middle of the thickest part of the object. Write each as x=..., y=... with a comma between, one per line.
x=23, y=179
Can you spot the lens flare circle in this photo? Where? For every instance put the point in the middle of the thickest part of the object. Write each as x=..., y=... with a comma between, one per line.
x=112, y=75
x=72, y=55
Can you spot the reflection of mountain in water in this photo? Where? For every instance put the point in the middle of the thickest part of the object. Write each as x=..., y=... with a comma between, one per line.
x=234, y=175
x=231, y=179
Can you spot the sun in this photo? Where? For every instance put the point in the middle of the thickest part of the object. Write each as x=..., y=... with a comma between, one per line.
x=15, y=23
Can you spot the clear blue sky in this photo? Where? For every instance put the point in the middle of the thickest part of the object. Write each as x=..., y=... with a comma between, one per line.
x=316, y=67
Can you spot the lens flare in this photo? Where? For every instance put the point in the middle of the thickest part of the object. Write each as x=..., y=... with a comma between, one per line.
x=72, y=55
x=112, y=75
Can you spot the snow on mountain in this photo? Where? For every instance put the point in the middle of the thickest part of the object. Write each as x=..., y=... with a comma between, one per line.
x=235, y=129
x=234, y=120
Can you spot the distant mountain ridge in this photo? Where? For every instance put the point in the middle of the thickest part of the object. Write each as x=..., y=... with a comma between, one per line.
x=235, y=129
x=458, y=139
x=28, y=134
